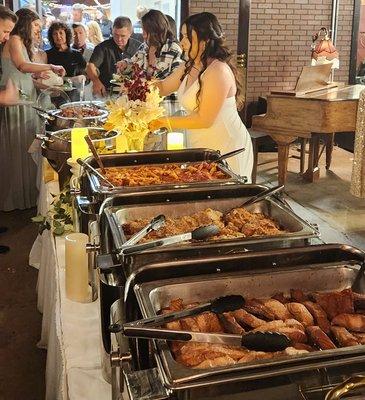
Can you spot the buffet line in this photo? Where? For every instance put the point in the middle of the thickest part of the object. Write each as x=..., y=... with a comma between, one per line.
x=210, y=287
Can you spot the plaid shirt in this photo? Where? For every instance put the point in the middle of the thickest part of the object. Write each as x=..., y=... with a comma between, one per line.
x=166, y=62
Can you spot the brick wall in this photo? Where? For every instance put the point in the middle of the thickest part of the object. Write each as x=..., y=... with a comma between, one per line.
x=227, y=13
x=343, y=41
x=280, y=37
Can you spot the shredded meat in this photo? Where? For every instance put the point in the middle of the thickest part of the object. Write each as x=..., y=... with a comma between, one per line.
x=146, y=175
x=254, y=226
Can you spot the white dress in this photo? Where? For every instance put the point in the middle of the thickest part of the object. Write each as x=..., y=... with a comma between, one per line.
x=227, y=133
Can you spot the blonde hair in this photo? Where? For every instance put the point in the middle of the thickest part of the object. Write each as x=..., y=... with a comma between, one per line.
x=95, y=35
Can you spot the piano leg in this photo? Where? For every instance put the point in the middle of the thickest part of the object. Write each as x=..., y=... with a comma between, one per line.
x=312, y=173
x=283, y=142
x=329, y=139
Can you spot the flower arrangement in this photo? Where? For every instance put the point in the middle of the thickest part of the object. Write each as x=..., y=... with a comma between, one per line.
x=135, y=108
x=59, y=216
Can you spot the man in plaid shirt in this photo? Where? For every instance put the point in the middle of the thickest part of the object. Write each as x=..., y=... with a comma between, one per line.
x=165, y=63
x=160, y=54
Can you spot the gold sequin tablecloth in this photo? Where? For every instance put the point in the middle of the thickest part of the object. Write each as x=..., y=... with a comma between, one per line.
x=358, y=169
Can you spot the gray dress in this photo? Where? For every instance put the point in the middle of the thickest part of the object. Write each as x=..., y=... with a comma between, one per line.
x=18, y=126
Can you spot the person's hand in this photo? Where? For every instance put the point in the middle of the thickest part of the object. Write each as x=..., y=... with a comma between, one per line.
x=10, y=95
x=58, y=69
x=99, y=88
x=157, y=124
x=121, y=66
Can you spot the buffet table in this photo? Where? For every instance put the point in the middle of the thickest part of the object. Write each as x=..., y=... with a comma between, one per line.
x=69, y=330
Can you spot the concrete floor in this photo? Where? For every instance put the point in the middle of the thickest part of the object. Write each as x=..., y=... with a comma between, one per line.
x=328, y=203
x=22, y=364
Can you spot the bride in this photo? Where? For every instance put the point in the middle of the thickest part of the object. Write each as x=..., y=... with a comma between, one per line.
x=207, y=88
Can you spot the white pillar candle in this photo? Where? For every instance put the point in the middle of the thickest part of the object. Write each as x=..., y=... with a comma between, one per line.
x=175, y=141
x=77, y=279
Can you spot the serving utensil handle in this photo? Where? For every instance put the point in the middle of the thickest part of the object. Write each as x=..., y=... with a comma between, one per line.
x=349, y=384
x=228, y=155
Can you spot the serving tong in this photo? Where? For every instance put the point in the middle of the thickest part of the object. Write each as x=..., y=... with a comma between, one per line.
x=91, y=169
x=200, y=233
x=148, y=328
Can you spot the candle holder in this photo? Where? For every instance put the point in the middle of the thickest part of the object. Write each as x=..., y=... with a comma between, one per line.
x=79, y=281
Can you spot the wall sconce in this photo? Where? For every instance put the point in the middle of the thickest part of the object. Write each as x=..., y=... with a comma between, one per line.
x=323, y=50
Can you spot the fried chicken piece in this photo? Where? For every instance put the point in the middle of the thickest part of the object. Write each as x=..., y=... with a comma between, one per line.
x=230, y=324
x=192, y=354
x=335, y=303
x=343, y=337
x=303, y=346
x=294, y=351
x=255, y=355
x=319, y=338
x=352, y=322
x=300, y=312
x=247, y=319
x=280, y=297
x=216, y=362
x=208, y=322
x=320, y=317
x=294, y=334
x=255, y=307
x=176, y=305
x=298, y=296
x=360, y=337
x=276, y=308
x=293, y=323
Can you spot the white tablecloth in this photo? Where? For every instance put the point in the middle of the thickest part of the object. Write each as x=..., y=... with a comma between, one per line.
x=70, y=330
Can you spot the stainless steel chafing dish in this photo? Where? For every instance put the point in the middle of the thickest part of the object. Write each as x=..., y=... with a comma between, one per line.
x=92, y=193
x=185, y=202
x=305, y=376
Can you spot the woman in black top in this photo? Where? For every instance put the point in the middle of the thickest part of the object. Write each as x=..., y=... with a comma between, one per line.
x=61, y=53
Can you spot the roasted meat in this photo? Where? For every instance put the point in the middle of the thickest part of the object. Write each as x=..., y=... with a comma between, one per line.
x=320, y=317
x=223, y=361
x=294, y=334
x=280, y=297
x=343, y=337
x=230, y=323
x=352, y=322
x=246, y=319
x=359, y=300
x=255, y=355
x=319, y=338
x=335, y=303
x=298, y=296
x=300, y=313
x=278, y=310
x=256, y=307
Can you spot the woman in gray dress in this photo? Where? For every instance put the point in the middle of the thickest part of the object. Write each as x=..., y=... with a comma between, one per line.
x=19, y=124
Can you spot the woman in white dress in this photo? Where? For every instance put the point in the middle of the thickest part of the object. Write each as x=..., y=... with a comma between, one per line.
x=207, y=88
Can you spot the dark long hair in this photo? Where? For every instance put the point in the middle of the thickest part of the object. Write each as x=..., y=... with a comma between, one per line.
x=157, y=26
x=23, y=28
x=208, y=29
x=58, y=25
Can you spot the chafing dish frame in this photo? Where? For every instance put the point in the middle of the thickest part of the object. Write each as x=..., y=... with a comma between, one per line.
x=231, y=178
x=146, y=283
x=206, y=198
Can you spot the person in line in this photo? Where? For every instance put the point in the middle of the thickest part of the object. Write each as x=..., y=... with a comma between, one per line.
x=80, y=42
x=106, y=25
x=10, y=94
x=160, y=54
x=61, y=53
x=172, y=24
x=19, y=123
x=95, y=35
x=208, y=88
x=77, y=13
x=103, y=61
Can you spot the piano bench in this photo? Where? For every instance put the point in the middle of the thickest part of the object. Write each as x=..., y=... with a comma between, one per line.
x=258, y=139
